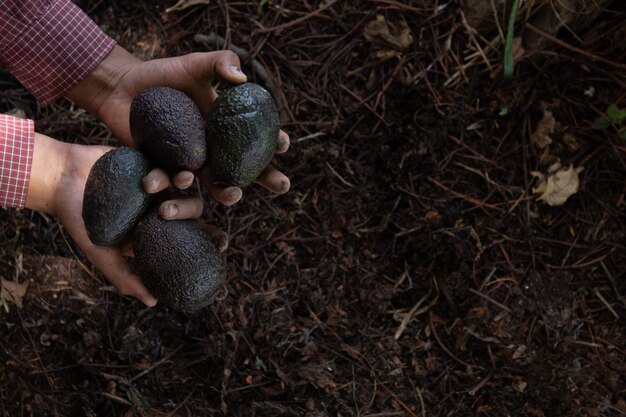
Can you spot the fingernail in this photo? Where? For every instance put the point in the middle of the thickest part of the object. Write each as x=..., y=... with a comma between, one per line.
x=154, y=185
x=172, y=210
x=150, y=301
x=236, y=70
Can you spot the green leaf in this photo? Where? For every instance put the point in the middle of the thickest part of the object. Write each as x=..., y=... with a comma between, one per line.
x=509, y=65
x=504, y=111
x=137, y=400
x=615, y=114
x=600, y=123
x=259, y=9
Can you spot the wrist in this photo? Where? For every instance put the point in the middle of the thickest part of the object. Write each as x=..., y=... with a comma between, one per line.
x=50, y=159
x=97, y=88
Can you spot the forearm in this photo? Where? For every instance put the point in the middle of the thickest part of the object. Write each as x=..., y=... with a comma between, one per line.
x=49, y=46
x=50, y=162
x=16, y=155
x=98, y=86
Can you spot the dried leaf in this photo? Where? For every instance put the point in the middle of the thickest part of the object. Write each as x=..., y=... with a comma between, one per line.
x=382, y=34
x=12, y=292
x=183, y=4
x=571, y=142
x=518, y=49
x=540, y=138
x=318, y=375
x=557, y=187
x=519, y=385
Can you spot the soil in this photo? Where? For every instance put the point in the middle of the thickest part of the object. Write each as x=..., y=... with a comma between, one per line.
x=411, y=269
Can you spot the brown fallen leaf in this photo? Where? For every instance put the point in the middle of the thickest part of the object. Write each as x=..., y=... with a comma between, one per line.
x=518, y=49
x=519, y=384
x=540, y=138
x=380, y=33
x=183, y=4
x=12, y=292
x=557, y=187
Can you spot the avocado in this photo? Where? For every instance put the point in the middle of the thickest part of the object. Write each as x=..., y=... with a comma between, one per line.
x=114, y=199
x=242, y=133
x=178, y=262
x=168, y=128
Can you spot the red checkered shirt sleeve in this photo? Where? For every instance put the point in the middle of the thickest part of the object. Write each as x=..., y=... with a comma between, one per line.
x=49, y=45
x=17, y=138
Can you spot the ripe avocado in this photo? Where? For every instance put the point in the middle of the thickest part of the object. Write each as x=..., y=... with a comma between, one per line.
x=168, y=128
x=242, y=133
x=177, y=262
x=114, y=199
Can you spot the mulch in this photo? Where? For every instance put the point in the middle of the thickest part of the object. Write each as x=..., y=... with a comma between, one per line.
x=411, y=269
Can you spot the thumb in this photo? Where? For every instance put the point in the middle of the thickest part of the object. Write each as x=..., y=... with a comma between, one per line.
x=193, y=74
x=222, y=65
x=119, y=273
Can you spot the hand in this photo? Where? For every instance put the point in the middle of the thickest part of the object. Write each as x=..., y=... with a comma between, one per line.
x=58, y=176
x=109, y=90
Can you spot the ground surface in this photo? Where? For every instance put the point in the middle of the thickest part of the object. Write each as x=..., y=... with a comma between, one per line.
x=410, y=271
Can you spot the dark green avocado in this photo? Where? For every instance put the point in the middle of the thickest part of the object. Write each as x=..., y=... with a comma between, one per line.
x=178, y=262
x=169, y=129
x=114, y=199
x=242, y=134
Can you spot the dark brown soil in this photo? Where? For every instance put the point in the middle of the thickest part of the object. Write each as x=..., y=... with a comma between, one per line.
x=410, y=271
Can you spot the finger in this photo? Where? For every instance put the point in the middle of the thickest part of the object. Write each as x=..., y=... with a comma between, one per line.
x=156, y=180
x=283, y=142
x=183, y=180
x=225, y=194
x=225, y=65
x=274, y=180
x=218, y=237
x=117, y=270
x=186, y=208
x=127, y=248
x=206, y=67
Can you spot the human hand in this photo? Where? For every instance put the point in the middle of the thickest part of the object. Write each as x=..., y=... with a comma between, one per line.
x=109, y=90
x=58, y=176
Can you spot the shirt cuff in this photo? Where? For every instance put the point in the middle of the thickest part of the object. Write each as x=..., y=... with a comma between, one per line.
x=56, y=50
x=17, y=141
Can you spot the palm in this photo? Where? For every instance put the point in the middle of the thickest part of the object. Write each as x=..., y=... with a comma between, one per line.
x=193, y=74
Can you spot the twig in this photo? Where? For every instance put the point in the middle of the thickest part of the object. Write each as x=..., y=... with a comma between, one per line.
x=311, y=136
x=32, y=342
x=298, y=20
x=183, y=402
x=339, y=176
x=421, y=398
x=445, y=349
x=409, y=316
x=463, y=196
x=611, y=279
x=117, y=399
x=606, y=303
x=157, y=364
x=362, y=102
x=491, y=300
x=579, y=51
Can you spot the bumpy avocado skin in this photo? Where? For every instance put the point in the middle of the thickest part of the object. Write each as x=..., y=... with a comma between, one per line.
x=168, y=128
x=178, y=262
x=114, y=199
x=242, y=133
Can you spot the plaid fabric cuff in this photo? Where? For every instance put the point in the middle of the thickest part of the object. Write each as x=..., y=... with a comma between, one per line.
x=49, y=46
x=17, y=140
